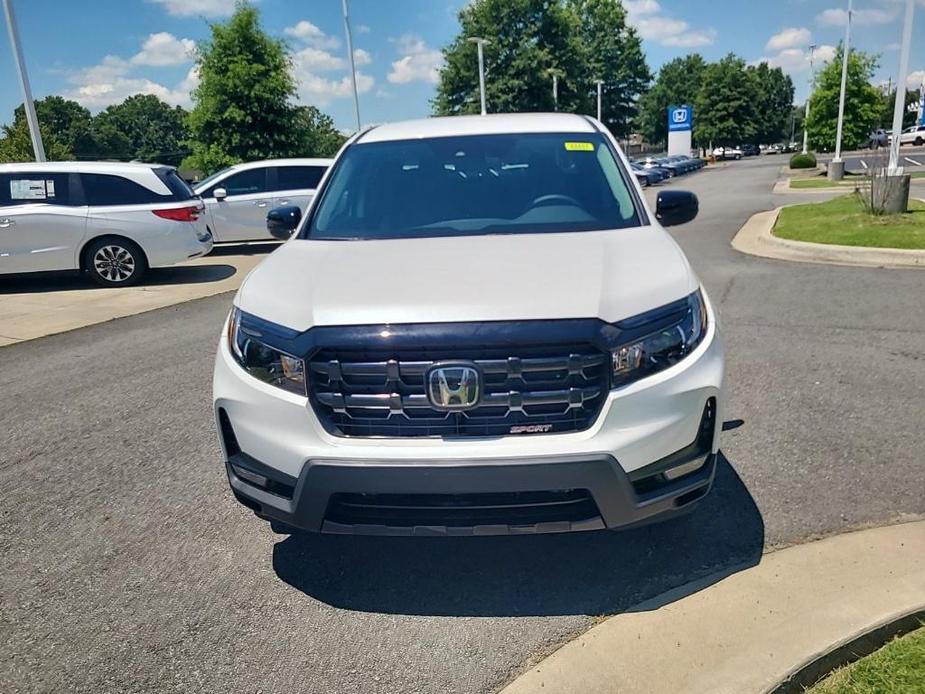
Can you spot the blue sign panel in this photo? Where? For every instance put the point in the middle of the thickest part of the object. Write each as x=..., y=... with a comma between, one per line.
x=922, y=108
x=680, y=118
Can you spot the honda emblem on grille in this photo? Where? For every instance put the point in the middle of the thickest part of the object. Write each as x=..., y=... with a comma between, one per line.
x=453, y=387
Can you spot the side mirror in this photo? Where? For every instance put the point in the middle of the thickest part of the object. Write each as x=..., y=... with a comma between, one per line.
x=673, y=207
x=282, y=221
x=220, y=194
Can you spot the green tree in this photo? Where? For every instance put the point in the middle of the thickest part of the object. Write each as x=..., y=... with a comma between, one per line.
x=530, y=40
x=155, y=131
x=773, y=100
x=320, y=138
x=612, y=52
x=16, y=143
x=889, y=101
x=243, y=104
x=99, y=140
x=725, y=112
x=863, y=102
x=61, y=121
x=678, y=83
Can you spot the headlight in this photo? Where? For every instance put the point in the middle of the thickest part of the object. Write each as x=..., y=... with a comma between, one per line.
x=263, y=362
x=673, y=337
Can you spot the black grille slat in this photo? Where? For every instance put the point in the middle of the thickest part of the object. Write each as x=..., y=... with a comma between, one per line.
x=372, y=393
x=462, y=509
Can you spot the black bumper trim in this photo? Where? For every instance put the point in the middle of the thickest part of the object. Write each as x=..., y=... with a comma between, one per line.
x=618, y=503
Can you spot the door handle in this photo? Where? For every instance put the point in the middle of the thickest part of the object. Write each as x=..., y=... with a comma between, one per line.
x=283, y=202
x=5, y=223
x=261, y=203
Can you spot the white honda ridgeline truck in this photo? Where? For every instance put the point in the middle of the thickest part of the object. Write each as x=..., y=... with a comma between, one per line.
x=478, y=327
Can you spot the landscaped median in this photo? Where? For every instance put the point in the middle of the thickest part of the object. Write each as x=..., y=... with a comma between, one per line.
x=897, y=667
x=844, y=221
x=820, y=183
x=838, y=232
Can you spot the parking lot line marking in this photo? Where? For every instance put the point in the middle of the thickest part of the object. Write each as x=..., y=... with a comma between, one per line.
x=913, y=161
x=864, y=163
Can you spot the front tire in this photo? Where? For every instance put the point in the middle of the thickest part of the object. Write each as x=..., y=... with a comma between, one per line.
x=115, y=262
x=918, y=142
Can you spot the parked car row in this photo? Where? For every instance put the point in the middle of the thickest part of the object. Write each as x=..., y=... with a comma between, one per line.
x=113, y=221
x=652, y=170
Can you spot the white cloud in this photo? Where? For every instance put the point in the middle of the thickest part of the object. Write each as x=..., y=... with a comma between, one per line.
x=362, y=29
x=796, y=60
x=162, y=49
x=419, y=62
x=791, y=37
x=197, y=8
x=915, y=79
x=321, y=91
x=310, y=34
x=838, y=17
x=361, y=57
x=112, y=80
x=316, y=60
x=648, y=18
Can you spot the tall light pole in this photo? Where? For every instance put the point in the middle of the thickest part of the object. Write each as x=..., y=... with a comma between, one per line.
x=480, y=43
x=836, y=169
x=599, y=84
x=353, y=67
x=899, y=107
x=555, y=91
x=922, y=103
x=37, y=146
x=812, y=83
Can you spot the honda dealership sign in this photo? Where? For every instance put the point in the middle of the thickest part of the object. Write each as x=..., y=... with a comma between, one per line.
x=680, y=124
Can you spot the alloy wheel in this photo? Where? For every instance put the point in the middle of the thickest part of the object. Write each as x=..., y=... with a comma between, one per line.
x=114, y=263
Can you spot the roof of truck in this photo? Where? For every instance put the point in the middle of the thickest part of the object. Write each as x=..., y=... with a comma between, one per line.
x=494, y=124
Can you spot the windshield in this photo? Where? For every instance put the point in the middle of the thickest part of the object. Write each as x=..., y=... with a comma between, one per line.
x=204, y=183
x=486, y=184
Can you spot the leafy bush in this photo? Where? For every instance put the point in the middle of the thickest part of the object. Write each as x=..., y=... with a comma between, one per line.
x=803, y=161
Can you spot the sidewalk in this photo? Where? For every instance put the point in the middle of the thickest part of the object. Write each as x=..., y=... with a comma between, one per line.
x=752, y=630
x=32, y=307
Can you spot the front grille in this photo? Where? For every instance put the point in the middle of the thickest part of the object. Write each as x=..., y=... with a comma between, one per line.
x=462, y=510
x=525, y=390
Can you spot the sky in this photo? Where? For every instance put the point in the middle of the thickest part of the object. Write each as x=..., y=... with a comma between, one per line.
x=99, y=52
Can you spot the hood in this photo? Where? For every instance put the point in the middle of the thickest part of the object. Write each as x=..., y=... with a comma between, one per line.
x=602, y=274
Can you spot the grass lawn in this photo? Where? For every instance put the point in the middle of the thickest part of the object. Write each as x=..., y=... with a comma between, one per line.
x=822, y=182
x=897, y=668
x=843, y=221
x=798, y=183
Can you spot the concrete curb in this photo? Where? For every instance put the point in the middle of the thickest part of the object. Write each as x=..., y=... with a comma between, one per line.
x=755, y=238
x=783, y=187
x=759, y=630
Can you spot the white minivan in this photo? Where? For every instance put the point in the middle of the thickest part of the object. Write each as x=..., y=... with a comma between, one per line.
x=238, y=198
x=110, y=220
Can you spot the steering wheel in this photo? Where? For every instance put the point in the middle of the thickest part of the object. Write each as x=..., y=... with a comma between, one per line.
x=555, y=198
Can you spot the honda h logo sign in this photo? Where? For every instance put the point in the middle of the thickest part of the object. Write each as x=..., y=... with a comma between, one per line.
x=680, y=118
x=453, y=387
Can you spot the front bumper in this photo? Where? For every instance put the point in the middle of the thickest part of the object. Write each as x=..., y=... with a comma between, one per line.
x=283, y=465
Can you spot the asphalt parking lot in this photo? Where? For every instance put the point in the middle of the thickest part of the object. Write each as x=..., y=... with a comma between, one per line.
x=910, y=158
x=129, y=568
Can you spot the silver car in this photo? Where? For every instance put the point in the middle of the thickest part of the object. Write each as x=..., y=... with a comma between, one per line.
x=238, y=198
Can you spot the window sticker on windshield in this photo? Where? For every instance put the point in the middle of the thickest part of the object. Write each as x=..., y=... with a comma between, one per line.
x=579, y=146
x=22, y=189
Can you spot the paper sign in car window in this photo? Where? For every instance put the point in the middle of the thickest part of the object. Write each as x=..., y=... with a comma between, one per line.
x=579, y=146
x=23, y=189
